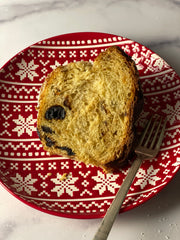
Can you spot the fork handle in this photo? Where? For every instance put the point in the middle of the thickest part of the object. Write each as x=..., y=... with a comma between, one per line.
x=107, y=222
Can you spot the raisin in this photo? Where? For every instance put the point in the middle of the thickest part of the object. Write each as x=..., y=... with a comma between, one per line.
x=49, y=142
x=68, y=150
x=55, y=112
x=47, y=129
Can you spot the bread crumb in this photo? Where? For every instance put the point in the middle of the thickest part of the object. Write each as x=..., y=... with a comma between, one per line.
x=36, y=108
x=64, y=177
x=49, y=174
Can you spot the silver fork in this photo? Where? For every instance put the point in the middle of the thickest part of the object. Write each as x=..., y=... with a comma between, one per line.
x=148, y=148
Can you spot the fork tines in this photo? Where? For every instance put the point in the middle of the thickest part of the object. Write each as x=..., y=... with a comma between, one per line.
x=154, y=132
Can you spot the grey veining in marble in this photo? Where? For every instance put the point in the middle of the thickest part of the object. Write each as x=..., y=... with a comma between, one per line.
x=19, y=9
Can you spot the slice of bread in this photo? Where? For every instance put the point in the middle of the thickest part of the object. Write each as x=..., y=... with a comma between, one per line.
x=86, y=111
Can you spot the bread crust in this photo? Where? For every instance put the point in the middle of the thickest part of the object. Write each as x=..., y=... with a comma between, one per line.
x=92, y=93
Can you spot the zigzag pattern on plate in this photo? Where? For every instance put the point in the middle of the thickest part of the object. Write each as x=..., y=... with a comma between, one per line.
x=173, y=133
x=18, y=90
x=16, y=146
x=136, y=199
x=151, y=86
x=70, y=205
x=160, y=78
x=86, y=207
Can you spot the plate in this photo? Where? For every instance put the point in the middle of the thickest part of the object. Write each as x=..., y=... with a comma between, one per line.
x=33, y=176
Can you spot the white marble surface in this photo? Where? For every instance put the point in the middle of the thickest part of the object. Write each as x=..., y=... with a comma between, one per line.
x=152, y=23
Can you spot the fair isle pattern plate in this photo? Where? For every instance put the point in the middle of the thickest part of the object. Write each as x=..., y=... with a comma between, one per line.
x=35, y=177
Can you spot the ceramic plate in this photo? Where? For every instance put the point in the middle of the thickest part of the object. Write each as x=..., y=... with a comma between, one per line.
x=33, y=176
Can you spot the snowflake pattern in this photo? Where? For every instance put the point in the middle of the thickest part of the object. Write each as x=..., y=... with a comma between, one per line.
x=105, y=182
x=173, y=112
x=64, y=186
x=158, y=62
x=145, y=177
x=24, y=183
x=56, y=64
x=27, y=70
x=138, y=61
x=24, y=125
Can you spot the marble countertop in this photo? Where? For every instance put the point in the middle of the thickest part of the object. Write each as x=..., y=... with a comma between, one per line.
x=153, y=23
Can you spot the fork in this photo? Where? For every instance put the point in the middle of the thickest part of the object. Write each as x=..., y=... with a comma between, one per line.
x=148, y=147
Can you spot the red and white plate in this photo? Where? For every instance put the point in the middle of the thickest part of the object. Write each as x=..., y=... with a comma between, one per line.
x=30, y=174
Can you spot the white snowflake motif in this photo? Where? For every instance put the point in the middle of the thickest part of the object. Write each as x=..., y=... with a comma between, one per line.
x=27, y=70
x=158, y=62
x=56, y=64
x=51, y=54
x=138, y=61
x=135, y=47
x=24, y=125
x=126, y=49
x=64, y=186
x=72, y=54
x=147, y=177
x=83, y=53
x=62, y=54
x=105, y=182
x=94, y=52
x=173, y=112
x=24, y=184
